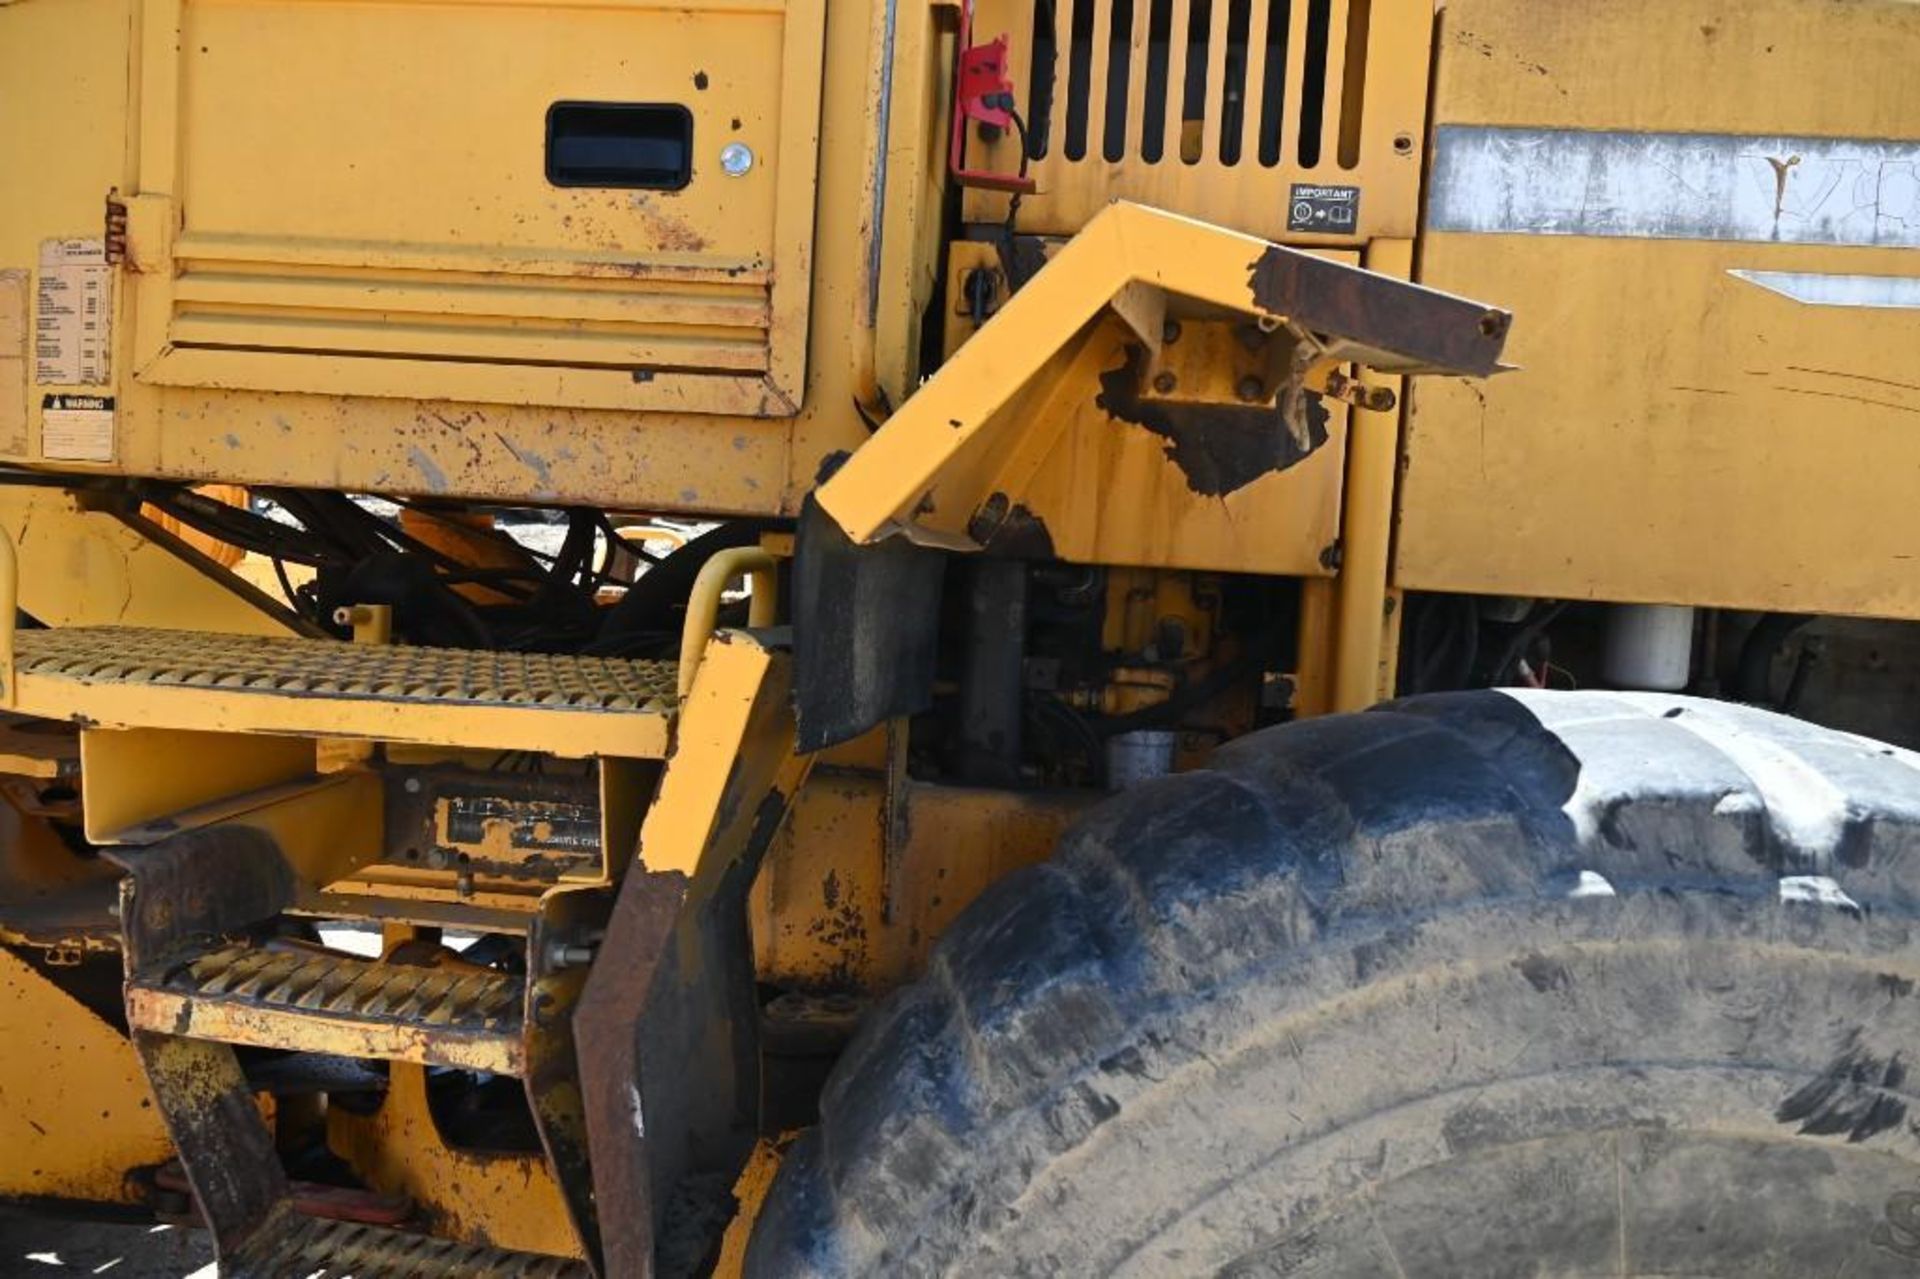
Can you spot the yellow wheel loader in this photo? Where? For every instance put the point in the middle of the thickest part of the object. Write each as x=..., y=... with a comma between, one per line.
x=978, y=637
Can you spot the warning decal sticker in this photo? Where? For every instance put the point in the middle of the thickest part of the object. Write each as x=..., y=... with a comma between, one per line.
x=76, y=428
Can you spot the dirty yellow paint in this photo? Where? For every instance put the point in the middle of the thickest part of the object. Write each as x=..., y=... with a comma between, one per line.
x=737, y=725
x=76, y=1116
x=1674, y=433
x=1362, y=661
x=82, y=566
x=749, y=306
x=750, y=1193
x=509, y=1200
x=845, y=901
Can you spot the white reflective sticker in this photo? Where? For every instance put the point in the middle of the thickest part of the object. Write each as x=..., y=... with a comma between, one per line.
x=1675, y=186
x=1896, y=292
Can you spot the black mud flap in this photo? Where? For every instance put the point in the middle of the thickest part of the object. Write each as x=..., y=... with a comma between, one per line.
x=865, y=619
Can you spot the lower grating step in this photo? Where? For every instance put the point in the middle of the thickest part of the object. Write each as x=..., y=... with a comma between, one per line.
x=310, y=1000
x=319, y=1249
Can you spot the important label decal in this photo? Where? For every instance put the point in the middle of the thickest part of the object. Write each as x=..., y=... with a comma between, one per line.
x=76, y=428
x=73, y=314
x=1328, y=210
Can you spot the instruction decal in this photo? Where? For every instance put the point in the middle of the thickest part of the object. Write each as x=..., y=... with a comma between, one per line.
x=14, y=349
x=72, y=326
x=76, y=428
x=1327, y=210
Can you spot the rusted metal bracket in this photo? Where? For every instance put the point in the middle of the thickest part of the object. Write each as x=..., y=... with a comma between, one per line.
x=178, y=896
x=666, y=1032
x=956, y=459
x=569, y=920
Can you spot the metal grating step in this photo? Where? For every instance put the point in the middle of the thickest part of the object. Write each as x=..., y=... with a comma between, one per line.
x=310, y=1000
x=127, y=677
x=320, y=1249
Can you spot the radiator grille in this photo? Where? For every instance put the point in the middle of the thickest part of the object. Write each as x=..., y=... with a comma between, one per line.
x=1205, y=107
x=1231, y=81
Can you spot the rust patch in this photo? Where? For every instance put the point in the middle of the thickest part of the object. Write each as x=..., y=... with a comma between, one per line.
x=668, y=232
x=1220, y=448
x=1417, y=325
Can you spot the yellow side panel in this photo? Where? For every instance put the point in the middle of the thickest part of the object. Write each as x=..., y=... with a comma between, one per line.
x=364, y=215
x=75, y=1114
x=63, y=140
x=203, y=116
x=82, y=567
x=506, y=1199
x=1706, y=220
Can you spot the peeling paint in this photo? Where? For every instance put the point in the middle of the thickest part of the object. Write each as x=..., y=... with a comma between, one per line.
x=1220, y=448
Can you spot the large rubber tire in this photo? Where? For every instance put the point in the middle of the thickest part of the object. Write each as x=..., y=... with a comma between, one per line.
x=1470, y=984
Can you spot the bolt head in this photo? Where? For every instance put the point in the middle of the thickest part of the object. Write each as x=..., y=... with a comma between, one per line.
x=1251, y=389
x=1164, y=382
x=736, y=159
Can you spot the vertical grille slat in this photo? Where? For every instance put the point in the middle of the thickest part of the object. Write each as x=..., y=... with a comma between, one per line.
x=1294, y=80
x=1333, y=84
x=1273, y=80
x=1313, y=82
x=1099, y=51
x=1179, y=41
x=1353, y=77
x=1191, y=110
x=1253, y=83
x=1062, y=74
x=1039, y=98
x=1073, y=23
x=1216, y=80
x=1133, y=132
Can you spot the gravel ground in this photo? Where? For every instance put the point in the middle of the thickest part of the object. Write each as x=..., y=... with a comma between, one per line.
x=32, y=1246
